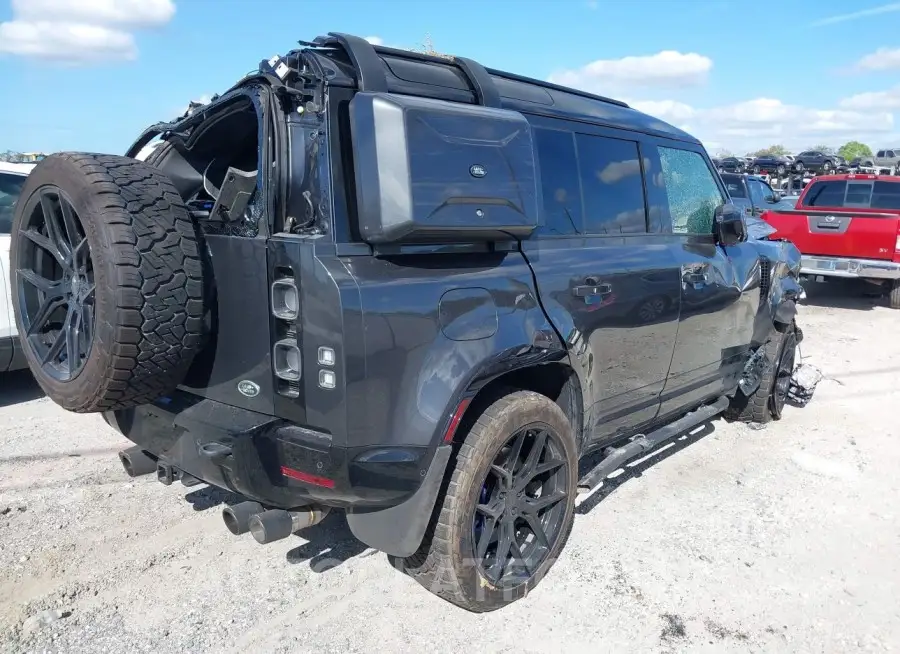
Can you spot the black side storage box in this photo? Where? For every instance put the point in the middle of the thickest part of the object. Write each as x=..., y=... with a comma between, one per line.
x=434, y=171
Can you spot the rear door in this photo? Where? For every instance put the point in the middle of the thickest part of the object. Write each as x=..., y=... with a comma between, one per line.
x=718, y=307
x=10, y=187
x=607, y=276
x=854, y=217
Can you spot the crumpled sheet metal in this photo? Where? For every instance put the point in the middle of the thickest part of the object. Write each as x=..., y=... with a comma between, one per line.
x=804, y=380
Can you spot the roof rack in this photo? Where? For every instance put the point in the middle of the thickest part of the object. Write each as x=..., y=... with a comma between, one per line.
x=364, y=57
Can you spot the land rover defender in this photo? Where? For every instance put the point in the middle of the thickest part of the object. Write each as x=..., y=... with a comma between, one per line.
x=406, y=287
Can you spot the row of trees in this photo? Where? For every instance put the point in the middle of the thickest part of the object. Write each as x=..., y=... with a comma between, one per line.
x=848, y=151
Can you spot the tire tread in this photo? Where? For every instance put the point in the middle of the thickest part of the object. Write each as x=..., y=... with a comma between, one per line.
x=158, y=303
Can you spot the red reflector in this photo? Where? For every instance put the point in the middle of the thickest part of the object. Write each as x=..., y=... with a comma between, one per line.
x=457, y=416
x=307, y=478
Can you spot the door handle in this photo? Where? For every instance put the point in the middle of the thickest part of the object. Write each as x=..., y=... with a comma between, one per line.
x=591, y=290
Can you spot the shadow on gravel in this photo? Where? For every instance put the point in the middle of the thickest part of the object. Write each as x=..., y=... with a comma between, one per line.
x=633, y=470
x=842, y=294
x=331, y=543
x=17, y=387
x=210, y=497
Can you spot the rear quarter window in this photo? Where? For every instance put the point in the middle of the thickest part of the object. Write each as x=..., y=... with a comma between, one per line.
x=886, y=195
x=825, y=194
x=559, y=182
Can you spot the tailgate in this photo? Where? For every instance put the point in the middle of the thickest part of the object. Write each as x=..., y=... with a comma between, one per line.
x=837, y=232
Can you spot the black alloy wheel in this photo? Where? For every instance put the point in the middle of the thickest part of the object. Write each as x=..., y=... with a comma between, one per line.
x=783, y=374
x=521, y=508
x=55, y=284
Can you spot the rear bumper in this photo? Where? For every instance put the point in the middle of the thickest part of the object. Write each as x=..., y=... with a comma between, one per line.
x=848, y=267
x=389, y=492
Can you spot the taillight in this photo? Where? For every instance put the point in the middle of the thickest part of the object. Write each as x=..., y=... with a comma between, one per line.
x=897, y=244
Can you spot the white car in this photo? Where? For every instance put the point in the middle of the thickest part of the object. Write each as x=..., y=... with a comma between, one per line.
x=12, y=177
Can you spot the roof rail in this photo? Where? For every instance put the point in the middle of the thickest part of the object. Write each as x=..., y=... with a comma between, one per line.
x=555, y=87
x=364, y=57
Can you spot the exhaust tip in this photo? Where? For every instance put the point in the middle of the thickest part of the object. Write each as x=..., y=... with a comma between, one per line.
x=269, y=526
x=126, y=463
x=237, y=517
x=136, y=462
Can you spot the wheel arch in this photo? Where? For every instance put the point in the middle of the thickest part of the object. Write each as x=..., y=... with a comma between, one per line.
x=555, y=380
x=400, y=530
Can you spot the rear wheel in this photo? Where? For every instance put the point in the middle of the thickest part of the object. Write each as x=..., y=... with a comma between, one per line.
x=508, y=508
x=767, y=402
x=895, y=294
x=107, y=281
x=780, y=169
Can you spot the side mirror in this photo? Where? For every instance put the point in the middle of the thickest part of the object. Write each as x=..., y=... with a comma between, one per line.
x=729, y=225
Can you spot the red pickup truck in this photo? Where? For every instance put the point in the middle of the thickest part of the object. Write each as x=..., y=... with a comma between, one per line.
x=846, y=226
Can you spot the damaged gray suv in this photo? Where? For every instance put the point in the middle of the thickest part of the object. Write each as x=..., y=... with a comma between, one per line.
x=406, y=287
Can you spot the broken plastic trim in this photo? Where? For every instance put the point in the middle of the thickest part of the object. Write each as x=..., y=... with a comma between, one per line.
x=753, y=371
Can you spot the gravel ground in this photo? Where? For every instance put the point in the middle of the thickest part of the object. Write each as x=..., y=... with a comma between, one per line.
x=776, y=540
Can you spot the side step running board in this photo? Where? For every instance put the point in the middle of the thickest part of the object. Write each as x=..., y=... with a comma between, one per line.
x=616, y=457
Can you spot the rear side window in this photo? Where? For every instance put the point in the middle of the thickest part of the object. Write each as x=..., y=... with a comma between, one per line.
x=867, y=195
x=559, y=182
x=735, y=188
x=826, y=194
x=886, y=195
x=692, y=191
x=879, y=154
x=10, y=187
x=612, y=184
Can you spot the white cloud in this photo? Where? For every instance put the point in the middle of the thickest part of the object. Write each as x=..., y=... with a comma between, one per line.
x=881, y=59
x=756, y=123
x=875, y=100
x=132, y=13
x=375, y=40
x=863, y=13
x=80, y=31
x=667, y=69
x=75, y=42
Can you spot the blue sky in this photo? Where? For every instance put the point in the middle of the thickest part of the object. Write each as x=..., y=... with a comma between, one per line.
x=91, y=74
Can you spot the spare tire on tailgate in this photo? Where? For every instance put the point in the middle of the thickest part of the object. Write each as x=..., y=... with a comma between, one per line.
x=107, y=281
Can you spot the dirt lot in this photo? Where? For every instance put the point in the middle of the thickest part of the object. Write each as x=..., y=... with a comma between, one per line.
x=776, y=540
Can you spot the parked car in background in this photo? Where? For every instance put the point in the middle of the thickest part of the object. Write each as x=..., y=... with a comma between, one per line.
x=860, y=162
x=733, y=165
x=778, y=164
x=752, y=194
x=887, y=159
x=847, y=226
x=816, y=160
x=12, y=178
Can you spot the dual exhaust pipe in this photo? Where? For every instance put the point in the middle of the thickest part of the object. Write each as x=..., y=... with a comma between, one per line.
x=266, y=526
x=138, y=463
x=274, y=524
